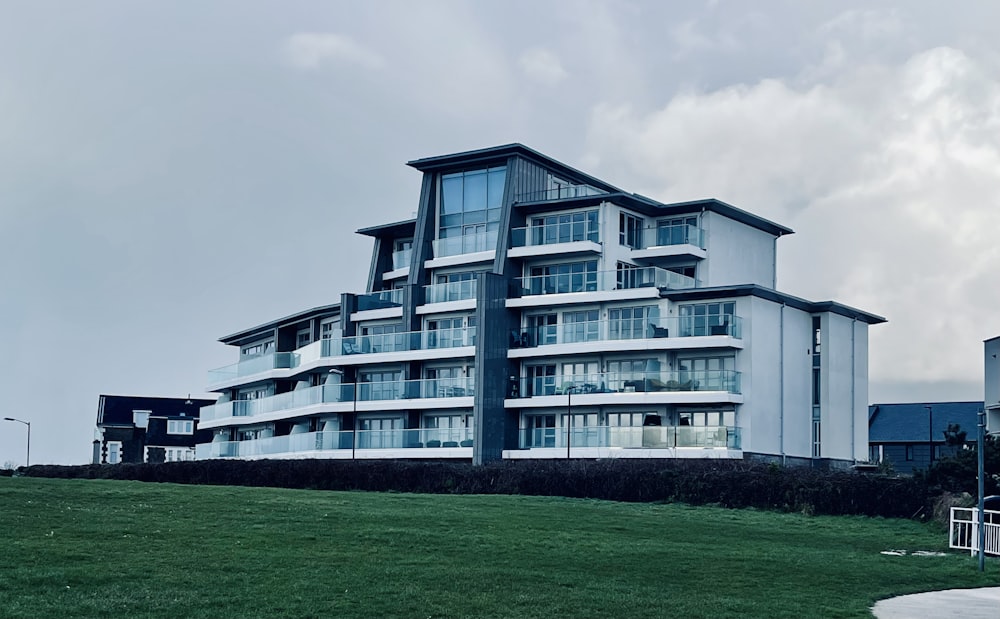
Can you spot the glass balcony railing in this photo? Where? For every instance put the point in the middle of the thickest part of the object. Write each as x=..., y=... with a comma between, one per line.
x=397, y=342
x=630, y=382
x=632, y=437
x=550, y=234
x=451, y=291
x=559, y=193
x=401, y=259
x=673, y=235
x=380, y=299
x=345, y=392
x=254, y=365
x=466, y=244
x=622, y=279
x=630, y=329
x=415, y=438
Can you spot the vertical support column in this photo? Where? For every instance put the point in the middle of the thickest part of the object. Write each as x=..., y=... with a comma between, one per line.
x=495, y=428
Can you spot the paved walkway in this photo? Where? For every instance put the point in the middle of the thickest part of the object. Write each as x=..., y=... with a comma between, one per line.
x=950, y=604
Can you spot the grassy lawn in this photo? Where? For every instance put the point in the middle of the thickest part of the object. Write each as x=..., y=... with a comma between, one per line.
x=88, y=548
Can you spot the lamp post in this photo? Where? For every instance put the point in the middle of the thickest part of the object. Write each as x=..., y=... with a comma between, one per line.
x=980, y=474
x=27, y=455
x=930, y=434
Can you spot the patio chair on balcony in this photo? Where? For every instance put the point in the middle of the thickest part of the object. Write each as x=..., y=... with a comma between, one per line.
x=433, y=443
x=450, y=444
x=466, y=443
x=659, y=331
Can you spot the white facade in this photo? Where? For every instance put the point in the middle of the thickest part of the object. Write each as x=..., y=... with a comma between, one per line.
x=991, y=366
x=532, y=311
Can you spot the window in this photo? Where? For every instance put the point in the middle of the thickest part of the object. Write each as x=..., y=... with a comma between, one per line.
x=303, y=337
x=140, y=419
x=327, y=328
x=382, y=338
x=583, y=375
x=622, y=374
x=710, y=419
x=448, y=382
x=447, y=333
x=561, y=278
x=875, y=453
x=257, y=349
x=707, y=318
x=581, y=326
x=564, y=228
x=629, y=323
x=380, y=433
x=817, y=442
x=114, y=452
x=459, y=286
x=178, y=454
x=909, y=452
x=541, y=380
x=707, y=373
x=381, y=385
x=540, y=431
x=629, y=230
x=180, y=426
x=470, y=207
x=545, y=329
x=677, y=231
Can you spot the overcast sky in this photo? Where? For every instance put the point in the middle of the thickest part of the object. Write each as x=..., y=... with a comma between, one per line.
x=171, y=172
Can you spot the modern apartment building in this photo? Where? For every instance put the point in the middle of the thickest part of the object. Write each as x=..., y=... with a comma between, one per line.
x=531, y=310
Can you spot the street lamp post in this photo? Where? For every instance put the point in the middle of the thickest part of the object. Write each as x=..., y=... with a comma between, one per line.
x=27, y=455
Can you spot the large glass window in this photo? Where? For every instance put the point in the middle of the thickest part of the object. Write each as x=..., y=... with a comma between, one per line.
x=707, y=373
x=564, y=228
x=630, y=230
x=629, y=373
x=581, y=326
x=630, y=323
x=559, y=278
x=470, y=206
x=541, y=380
x=544, y=329
x=384, y=385
x=675, y=231
x=707, y=318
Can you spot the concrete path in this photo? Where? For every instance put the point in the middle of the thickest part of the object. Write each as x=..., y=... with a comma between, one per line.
x=950, y=604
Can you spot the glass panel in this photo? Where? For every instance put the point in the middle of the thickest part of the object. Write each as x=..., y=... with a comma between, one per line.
x=451, y=194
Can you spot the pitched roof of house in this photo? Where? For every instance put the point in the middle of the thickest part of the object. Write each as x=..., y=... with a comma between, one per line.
x=908, y=423
x=116, y=410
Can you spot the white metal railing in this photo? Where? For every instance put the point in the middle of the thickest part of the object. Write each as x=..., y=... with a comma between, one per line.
x=963, y=531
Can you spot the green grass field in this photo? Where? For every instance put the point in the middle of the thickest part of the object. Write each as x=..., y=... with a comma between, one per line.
x=87, y=548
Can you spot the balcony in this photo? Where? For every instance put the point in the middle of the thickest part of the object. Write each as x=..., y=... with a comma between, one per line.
x=560, y=193
x=632, y=437
x=669, y=387
x=633, y=283
x=380, y=300
x=390, y=395
x=357, y=347
x=340, y=444
x=627, y=335
x=564, y=239
x=255, y=365
x=465, y=244
x=401, y=259
x=463, y=293
x=683, y=241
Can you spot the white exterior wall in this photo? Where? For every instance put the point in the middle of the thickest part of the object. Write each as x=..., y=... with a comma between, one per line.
x=737, y=253
x=844, y=388
x=776, y=417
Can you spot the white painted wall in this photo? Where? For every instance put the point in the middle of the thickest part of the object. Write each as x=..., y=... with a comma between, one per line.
x=737, y=253
x=776, y=417
x=844, y=392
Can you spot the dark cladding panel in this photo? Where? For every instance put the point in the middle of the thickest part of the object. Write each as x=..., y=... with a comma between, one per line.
x=494, y=426
x=522, y=177
x=423, y=234
x=381, y=263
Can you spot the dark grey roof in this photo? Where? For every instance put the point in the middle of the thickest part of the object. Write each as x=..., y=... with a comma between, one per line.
x=322, y=310
x=742, y=290
x=116, y=410
x=395, y=229
x=497, y=155
x=908, y=423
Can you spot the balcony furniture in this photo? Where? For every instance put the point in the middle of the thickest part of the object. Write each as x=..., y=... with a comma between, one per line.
x=450, y=444
x=466, y=443
x=635, y=385
x=433, y=443
x=722, y=329
x=519, y=340
x=654, y=384
x=660, y=331
x=351, y=348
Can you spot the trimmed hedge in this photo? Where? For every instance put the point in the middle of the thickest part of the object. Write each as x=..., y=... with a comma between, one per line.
x=724, y=483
